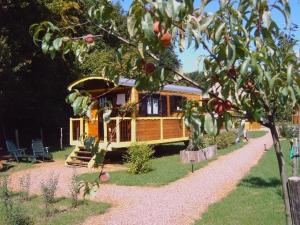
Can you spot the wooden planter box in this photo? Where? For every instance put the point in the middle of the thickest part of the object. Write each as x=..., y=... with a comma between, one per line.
x=198, y=156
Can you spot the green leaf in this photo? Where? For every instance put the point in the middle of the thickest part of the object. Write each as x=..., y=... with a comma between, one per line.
x=292, y=95
x=147, y=26
x=205, y=22
x=131, y=21
x=219, y=31
x=106, y=115
x=273, y=80
x=289, y=74
x=267, y=18
x=57, y=43
x=77, y=105
x=228, y=121
x=141, y=49
x=231, y=54
x=162, y=74
x=71, y=97
x=210, y=125
x=45, y=47
x=47, y=37
x=244, y=67
x=284, y=91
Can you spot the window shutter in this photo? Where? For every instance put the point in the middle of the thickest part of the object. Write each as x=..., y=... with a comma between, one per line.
x=142, y=105
x=163, y=105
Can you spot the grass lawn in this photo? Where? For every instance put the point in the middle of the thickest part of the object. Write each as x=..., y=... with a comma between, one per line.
x=62, y=154
x=13, y=167
x=257, y=199
x=165, y=170
x=62, y=213
x=256, y=133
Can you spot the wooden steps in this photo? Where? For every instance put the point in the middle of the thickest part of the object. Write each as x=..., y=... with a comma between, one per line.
x=79, y=157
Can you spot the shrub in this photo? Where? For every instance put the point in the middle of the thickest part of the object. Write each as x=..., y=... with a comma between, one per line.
x=18, y=217
x=24, y=183
x=6, y=196
x=48, y=192
x=74, y=189
x=14, y=215
x=224, y=139
x=288, y=132
x=138, y=158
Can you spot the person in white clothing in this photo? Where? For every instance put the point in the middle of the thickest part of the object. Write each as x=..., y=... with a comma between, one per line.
x=242, y=131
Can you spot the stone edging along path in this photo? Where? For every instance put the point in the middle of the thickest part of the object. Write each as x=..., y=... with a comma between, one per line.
x=179, y=203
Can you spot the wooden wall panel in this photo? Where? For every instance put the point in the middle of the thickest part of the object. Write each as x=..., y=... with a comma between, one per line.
x=187, y=132
x=93, y=124
x=93, y=128
x=172, y=128
x=147, y=130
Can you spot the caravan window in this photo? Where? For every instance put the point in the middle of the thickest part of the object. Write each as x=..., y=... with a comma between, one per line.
x=177, y=103
x=152, y=105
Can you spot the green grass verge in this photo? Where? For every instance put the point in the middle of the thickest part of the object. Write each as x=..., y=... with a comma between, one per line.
x=62, y=154
x=257, y=199
x=62, y=212
x=256, y=133
x=12, y=167
x=164, y=170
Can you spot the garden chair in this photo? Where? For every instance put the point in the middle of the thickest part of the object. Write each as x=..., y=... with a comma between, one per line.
x=39, y=151
x=18, y=153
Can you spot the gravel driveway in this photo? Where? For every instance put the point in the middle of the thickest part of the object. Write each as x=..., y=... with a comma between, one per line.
x=178, y=203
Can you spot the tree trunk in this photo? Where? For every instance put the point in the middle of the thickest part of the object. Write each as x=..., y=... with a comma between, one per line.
x=294, y=193
x=282, y=171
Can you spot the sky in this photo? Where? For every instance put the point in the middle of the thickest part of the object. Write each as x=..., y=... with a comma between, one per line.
x=190, y=58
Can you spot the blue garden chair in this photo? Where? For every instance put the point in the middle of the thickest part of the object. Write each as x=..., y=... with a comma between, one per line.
x=18, y=153
x=39, y=151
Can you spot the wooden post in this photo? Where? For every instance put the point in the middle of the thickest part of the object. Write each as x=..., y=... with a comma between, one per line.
x=299, y=124
x=295, y=162
x=294, y=197
x=117, y=129
x=17, y=138
x=61, y=138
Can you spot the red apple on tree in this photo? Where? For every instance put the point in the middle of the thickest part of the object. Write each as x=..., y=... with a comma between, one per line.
x=228, y=105
x=165, y=39
x=231, y=73
x=220, y=108
x=89, y=38
x=156, y=27
x=149, y=68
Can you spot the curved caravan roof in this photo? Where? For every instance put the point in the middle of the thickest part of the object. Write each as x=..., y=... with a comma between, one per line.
x=91, y=83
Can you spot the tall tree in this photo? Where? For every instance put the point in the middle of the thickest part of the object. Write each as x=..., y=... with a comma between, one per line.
x=241, y=42
x=32, y=86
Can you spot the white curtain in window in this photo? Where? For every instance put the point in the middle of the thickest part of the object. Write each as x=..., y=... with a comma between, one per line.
x=121, y=99
x=155, y=106
x=149, y=106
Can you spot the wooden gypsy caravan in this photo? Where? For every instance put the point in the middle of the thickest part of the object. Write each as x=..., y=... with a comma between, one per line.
x=156, y=119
